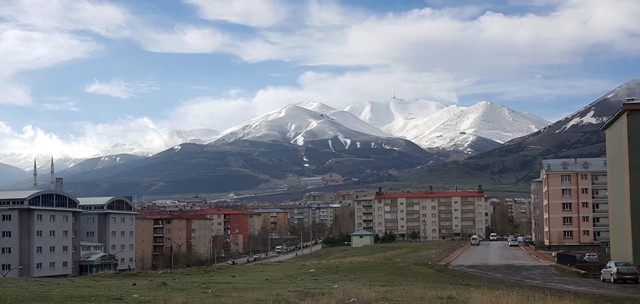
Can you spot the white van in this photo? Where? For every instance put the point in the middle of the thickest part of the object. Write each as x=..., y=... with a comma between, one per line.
x=280, y=249
x=493, y=236
x=475, y=240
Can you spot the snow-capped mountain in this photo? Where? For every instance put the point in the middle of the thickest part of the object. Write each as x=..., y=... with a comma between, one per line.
x=299, y=123
x=474, y=129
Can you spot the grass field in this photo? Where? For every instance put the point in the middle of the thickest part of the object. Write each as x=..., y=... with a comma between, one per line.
x=393, y=273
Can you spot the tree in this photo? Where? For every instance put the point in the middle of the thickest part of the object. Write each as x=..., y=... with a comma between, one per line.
x=414, y=235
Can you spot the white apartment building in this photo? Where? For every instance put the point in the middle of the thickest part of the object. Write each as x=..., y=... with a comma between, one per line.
x=38, y=231
x=110, y=221
x=429, y=215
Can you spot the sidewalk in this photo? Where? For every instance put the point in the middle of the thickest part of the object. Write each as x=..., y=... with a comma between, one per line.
x=455, y=254
x=542, y=256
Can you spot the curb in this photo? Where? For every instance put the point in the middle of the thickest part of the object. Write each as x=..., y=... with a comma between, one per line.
x=532, y=252
x=454, y=255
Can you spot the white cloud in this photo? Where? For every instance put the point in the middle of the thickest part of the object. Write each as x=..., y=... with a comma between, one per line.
x=118, y=88
x=66, y=15
x=61, y=106
x=183, y=39
x=263, y=13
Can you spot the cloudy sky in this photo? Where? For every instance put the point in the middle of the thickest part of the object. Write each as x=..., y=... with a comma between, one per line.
x=78, y=76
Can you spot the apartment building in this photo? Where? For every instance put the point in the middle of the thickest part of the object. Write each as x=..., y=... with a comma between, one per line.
x=110, y=221
x=575, y=204
x=38, y=233
x=170, y=239
x=424, y=215
x=537, y=216
x=623, y=163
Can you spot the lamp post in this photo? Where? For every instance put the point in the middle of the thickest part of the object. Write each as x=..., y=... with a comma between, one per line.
x=179, y=249
x=6, y=272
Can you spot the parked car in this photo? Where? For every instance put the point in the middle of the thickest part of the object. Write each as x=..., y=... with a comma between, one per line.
x=475, y=240
x=615, y=271
x=512, y=242
x=493, y=236
x=591, y=257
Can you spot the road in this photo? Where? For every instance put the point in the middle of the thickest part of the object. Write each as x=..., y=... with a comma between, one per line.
x=499, y=261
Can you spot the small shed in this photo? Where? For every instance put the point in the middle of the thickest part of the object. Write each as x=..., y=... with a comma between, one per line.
x=362, y=238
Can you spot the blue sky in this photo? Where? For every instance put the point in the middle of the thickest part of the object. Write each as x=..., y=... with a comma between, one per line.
x=78, y=76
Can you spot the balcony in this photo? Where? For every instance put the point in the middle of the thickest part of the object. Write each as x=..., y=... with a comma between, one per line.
x=367, y=210
x=367, y=217
x=600, y=211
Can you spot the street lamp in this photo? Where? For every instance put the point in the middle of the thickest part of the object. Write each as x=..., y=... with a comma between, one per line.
x=179, y=249
x=5, y=273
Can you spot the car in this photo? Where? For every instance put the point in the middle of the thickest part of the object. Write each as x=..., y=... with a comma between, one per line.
x=591, y=257
x=232, y=262
x=615, y=271
x=475, y=240
x=493, y=236
x=512, y=242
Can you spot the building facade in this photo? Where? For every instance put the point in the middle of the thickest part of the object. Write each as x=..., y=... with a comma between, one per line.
x=537, y=216
x=110, y=221
x=575, y=204
x=623, y=173
x=38, y=233
x=424, y=216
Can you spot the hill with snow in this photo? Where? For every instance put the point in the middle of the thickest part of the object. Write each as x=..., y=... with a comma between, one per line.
x=431, y=125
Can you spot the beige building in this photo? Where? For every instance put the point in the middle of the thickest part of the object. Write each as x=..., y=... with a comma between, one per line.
x=425, y=216
x=537, y=216
x=575, y=204
x=623, y=164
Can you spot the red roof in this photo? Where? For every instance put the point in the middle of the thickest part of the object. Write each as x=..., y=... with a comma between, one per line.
x=465, y=193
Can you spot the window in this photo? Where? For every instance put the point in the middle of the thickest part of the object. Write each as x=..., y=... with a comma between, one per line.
x=130, y=246
x=52, y=233
x=90, y=234
x=6, y=267
x=65, y=249
x=6, y=234
x=585, y=232
x=584, y=190
x=65, y=233
x=52, y=249
x=38, y=233
x=6, y=250
x=65, y=264
x=123, y=220
x=130, y=259
x=566, y=207
x=122, y=233
x=121, y=260
x=39, y=249
x=566, y=179
x=566, y=192
x=113, y=220
x=38, y=266
x=6, y=217
x=584, y=177
x=130, y=233
x=131, y=220
x=568, y=234
x=52, y=265
x=38, y=217
x=65, y=218
x=113, y=233
x=122, y=247
x=113, y=247
x=52, y=218
x=91, y=220
x=585, y=204
x=567, y=221
x=585, y=219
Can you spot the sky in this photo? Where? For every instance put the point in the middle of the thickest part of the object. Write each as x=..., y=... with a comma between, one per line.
x=79, y=76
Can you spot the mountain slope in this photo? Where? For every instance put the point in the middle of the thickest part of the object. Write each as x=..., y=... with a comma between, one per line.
x=475, y=129
x=517, y=162
x=10, y=175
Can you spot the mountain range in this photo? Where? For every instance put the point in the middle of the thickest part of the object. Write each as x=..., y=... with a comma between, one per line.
x=397, y=140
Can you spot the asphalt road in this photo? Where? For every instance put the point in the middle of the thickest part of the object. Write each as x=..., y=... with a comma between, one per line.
x=498, y=261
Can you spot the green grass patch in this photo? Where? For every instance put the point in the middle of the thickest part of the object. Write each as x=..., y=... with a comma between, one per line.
x=388, y=273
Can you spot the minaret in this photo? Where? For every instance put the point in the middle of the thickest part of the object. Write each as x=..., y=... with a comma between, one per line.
x=53, y=182
x=35, y=175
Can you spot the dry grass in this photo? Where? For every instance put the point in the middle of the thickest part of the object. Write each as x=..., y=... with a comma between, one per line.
x=394, y=273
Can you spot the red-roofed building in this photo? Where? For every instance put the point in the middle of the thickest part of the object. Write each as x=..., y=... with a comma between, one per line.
x=425, y=215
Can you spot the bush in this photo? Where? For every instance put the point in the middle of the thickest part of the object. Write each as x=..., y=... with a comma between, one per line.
x=337, y=240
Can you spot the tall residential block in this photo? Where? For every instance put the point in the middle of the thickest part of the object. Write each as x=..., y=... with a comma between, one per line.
x=575, y=201
x=425, y=215
x=38, y=233
x=623, y=171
